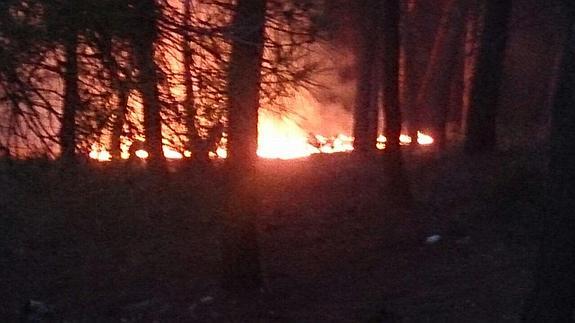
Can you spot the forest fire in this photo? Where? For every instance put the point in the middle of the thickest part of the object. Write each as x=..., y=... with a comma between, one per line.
x=279, y=138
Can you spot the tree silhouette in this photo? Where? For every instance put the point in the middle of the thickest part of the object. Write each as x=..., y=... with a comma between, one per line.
x=71, y=100
x=481, y=124
x=390, y=80
x=554, y=295
x=368, y=53
x=241, y=252
x=144, y=39
x=435, y=93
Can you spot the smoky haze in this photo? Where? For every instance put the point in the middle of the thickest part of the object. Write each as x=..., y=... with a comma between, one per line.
x=531, y=55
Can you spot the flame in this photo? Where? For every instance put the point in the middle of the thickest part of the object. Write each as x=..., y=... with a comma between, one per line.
x=279, y=137
x=172, y=154
x=424, y=139
x=221, y=152
x=100, y=155
x=142, y=154
x=281, y=140
x=168, y=153
x=339, y=143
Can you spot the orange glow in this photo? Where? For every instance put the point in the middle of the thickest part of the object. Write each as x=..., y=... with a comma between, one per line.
x=340, y=143
x=99, y=153
x=281, y=137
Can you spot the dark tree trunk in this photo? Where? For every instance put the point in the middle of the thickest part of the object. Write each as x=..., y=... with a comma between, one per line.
x=195, y=143
x=481, y=125
x=554, y=295
x=398, y=184
x=119, y=121
x=71, y=103
x=457, y=87
x=144, y=40
x=121, y=85
x=435, y=93
x=410, y=71
x=366, y=99
x=390, y=80
x=470, y=61
x=242, y=270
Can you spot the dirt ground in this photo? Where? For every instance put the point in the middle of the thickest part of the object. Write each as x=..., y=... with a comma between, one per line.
x=109, y=245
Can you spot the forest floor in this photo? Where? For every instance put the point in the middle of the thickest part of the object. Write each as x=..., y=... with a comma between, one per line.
x=108, y=244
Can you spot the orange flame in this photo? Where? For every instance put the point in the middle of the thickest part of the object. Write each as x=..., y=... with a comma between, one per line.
x=279, y=137
x=100, y=155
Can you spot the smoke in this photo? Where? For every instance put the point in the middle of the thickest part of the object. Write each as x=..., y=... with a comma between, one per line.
x=327, y=108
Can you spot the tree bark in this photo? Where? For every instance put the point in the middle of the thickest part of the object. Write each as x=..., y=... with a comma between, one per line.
x=456, y=91
x=398, y=184
x=144, y=41
x=121, y=84
x=366, y=100
x=119, y=120
x=481, y=125
x=410, y=71
x=195, y=143
x=554, y=295
x=435, y=92
x=71, y=103
x=390, y=80
x=241, y=257
x=470, y=60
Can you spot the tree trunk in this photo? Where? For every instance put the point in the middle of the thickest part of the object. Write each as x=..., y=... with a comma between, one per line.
x=119, y=120
x=554, y=294
x=121, y=84
x=470, y=61
x=71, y=103
x=435, y=93
x=148, y=81
x=410, y=70
x=457, y=90
x=242, y=270
x=481, y=125
x=366, y=100
x=390, y=80
x=398, y=184
x=195, y=144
